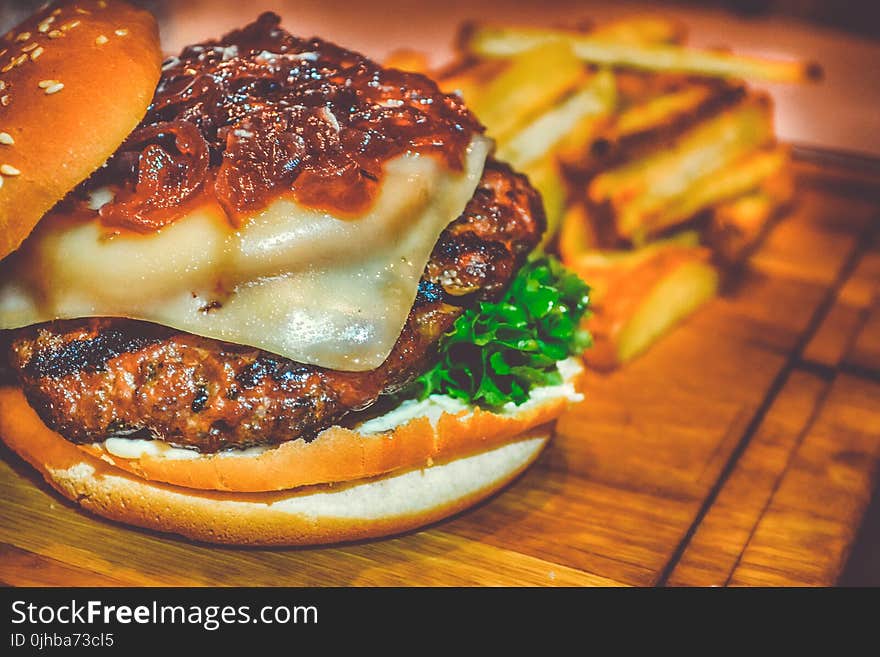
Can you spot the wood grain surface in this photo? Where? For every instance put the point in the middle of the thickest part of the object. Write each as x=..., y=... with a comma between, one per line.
x=740, y=450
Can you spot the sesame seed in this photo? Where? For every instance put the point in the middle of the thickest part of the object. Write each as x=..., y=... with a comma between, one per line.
x=2, y=85
x=1, y=181
x=4, y=51
x=36, y=53
x=55, y=34
x=121, y=32
x=5, y=100
x=84, y=12
x=8, y=67
x=55, y=12
x=70, y=25
x=9, y=170
x=24, y=36
x=45, y=84
x=6, y=139
x=29, y=47
x=101, y=40
x=43, y=27
x=55, y=88
x=21, y=59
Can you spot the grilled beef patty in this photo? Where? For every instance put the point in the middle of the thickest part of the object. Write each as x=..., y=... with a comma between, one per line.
x=94, y=378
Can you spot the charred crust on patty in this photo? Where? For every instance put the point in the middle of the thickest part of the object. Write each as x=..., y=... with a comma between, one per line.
x=87, y=354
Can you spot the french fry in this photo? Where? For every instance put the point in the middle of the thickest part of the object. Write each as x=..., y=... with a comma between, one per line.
x=546, y=177
x=659, y=110
x=599, y=258
x=647, y=125
x=641, y=30
x=638, y=191
x=532, y=82
x=496, y=41
x=568, y=122
x=640, y=295
x=636, y=87
x=574, y=150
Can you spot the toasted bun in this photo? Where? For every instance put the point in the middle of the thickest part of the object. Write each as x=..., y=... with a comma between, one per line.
x=366, y=508
x=62, y=134
x=338, y=454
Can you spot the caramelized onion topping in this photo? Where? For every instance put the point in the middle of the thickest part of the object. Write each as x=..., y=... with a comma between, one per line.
x=170, y=172
x=261, y=113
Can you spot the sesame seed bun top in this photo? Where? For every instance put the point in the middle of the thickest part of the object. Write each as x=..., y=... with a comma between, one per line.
x=75, y=80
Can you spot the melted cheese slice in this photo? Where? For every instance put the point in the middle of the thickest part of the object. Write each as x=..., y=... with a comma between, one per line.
x=293, y=281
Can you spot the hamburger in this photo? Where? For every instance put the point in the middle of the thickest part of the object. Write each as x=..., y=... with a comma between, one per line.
x=265, y=291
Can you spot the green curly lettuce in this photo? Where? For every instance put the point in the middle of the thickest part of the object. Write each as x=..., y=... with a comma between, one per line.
x=497, y=352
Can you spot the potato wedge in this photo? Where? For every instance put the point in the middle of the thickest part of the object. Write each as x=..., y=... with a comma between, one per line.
x=639, y=296
x=639, y=191
x=737, y=226
x=532, y=82
x=567, y=124
x=658, y=121
x=738, y=178
x=737, y=130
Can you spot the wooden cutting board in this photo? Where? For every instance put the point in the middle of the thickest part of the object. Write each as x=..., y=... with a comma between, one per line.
x=741, y=450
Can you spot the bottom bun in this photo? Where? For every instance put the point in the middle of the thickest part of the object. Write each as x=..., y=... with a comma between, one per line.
x=323, y=514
